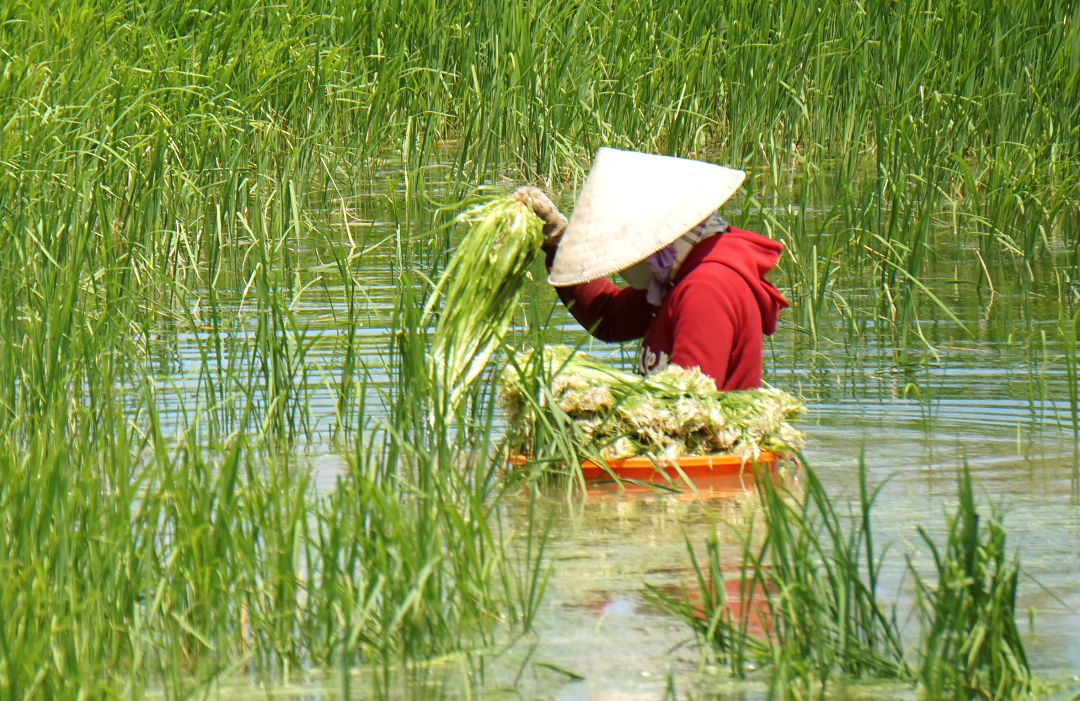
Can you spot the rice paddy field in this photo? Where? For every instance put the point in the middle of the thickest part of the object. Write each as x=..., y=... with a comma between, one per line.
x=230, y=467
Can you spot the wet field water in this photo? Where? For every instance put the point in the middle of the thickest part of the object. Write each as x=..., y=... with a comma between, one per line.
x=223, y=463
x=994, y=396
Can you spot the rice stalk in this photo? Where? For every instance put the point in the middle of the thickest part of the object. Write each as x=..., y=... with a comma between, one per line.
x=478, y=291
x=971, y=646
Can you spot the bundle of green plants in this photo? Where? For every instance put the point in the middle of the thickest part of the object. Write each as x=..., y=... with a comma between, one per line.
x=479, y=288
x=672, y=413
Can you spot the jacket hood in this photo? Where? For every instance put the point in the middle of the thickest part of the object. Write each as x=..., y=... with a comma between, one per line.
x=751, y=256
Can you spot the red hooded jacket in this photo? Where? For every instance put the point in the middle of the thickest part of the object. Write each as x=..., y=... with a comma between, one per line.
x=713, y=317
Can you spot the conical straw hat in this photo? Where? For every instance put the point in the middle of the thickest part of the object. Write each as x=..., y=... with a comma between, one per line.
x=632, y=205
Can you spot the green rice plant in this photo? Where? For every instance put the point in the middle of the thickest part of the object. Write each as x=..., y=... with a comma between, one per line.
x=1068, y=330
x=1070, y=334
x=529, y=582
x=157, y=544
x=197, y=561
x=723, y=626
x=808, y=607
x=971, y=647
x=208, y=124
x=346, y=384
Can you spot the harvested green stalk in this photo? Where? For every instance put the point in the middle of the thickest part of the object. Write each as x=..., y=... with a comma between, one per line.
x=673, y=413
x=479, y=290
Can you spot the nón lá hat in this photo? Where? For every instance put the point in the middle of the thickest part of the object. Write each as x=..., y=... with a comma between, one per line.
x=632, y=205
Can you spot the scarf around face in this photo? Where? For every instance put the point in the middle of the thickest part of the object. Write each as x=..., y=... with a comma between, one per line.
x=666, y=262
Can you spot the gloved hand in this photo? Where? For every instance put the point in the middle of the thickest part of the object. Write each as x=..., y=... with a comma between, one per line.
x=538, y=202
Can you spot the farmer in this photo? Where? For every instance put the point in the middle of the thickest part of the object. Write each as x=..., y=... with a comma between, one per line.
x=697, y=292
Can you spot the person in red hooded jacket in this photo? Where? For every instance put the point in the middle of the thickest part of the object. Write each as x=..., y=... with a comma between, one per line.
x=697, y=295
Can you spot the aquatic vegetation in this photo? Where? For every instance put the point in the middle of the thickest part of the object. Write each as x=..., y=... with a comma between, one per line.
x=198, y=137
x=674, y=412
x=1069, y=330
x=199, y=204
x=971, y=647
x=810, y=588
x=810, y=609
x=135, y=559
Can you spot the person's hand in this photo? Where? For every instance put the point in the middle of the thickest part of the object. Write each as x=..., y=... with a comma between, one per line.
x=538, y=202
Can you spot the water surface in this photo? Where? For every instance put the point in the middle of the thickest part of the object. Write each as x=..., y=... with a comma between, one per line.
x=993, y=396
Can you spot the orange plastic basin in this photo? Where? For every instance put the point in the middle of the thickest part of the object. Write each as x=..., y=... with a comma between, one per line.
x=691, y=466
x=706, y=476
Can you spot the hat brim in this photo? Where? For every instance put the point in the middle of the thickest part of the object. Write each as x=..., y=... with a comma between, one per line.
x=632, y=205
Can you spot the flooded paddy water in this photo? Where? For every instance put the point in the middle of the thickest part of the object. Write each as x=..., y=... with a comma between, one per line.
x=226, y=465
x=996, y=399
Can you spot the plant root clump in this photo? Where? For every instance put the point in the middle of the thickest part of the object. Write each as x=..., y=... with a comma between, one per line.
x=673, y=413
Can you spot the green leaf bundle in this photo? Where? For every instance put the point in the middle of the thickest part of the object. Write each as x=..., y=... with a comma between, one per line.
x=480, y=288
